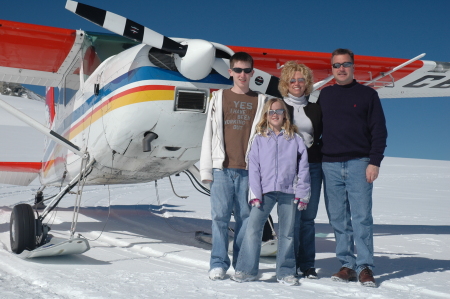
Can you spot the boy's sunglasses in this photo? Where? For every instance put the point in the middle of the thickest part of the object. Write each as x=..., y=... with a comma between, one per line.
x=278, y=111
x=239, y=70
x=299, y=80
x=345, y=64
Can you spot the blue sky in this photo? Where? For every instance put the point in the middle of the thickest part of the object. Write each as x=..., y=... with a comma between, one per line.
x=418, y=128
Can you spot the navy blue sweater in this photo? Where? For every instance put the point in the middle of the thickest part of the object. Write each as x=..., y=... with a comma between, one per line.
x=353, y=123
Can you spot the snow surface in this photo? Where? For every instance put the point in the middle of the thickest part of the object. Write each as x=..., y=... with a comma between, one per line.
x=143, y=245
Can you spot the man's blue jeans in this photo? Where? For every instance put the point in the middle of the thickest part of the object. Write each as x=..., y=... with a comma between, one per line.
x=229, y=194
x=248, y=261
x=305, y=232
x=348, y=199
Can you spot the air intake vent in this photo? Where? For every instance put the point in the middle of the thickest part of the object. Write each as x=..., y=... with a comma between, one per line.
x=191, y=100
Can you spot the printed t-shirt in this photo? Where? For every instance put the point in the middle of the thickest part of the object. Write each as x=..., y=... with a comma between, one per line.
x=238, y=115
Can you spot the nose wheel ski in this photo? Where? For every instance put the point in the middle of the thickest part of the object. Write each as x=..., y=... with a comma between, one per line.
x=30, y=237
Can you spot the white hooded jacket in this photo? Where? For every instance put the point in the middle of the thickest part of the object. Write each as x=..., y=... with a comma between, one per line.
x=213, y=149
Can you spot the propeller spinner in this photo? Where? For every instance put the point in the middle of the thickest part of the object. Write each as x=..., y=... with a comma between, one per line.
x=194, y=58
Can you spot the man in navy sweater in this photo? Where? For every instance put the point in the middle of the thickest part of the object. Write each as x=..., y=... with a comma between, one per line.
x=354, y=138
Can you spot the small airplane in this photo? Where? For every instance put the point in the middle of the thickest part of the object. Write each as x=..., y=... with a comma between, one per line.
x=130, y=107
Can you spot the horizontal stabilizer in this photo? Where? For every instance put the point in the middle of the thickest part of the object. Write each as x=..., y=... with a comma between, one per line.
x=19, y=173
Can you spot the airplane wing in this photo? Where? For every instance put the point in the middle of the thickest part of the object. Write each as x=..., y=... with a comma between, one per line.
x=40, y=55
x=392, y=77
x=37, y=55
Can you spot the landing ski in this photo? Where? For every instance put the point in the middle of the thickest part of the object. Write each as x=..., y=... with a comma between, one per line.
x=58, y=246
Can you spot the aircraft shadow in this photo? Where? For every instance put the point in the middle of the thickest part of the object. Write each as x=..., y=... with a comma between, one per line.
x=386, y=267
x=148, y=224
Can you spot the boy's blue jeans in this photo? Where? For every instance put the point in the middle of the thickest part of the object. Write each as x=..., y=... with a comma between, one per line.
x=229, y=194
x=248, y=261
x=348, y=199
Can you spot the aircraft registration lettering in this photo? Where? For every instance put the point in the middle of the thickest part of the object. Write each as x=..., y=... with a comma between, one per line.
x=415, y=84
x=445, y=84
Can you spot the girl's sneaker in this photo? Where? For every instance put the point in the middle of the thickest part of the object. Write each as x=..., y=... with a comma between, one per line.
x=290, y=280
x=217, y=273
x=242, y=277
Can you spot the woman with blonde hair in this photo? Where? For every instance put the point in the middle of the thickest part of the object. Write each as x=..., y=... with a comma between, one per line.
x=278, y=174
x=296, y=84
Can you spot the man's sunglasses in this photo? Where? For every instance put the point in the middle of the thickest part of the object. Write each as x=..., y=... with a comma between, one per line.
x=239, y=70
x=278, y=111
x=299, y=80
x=345, y=64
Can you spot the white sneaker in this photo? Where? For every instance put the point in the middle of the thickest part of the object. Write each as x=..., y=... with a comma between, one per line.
x=216, y=273
x=290, y=280
x=242, y=277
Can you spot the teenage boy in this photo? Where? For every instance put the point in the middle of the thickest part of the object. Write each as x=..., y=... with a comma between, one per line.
x=354, y=138
x=231, y=122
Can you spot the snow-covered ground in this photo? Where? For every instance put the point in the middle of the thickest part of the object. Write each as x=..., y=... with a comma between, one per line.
x=143, y=246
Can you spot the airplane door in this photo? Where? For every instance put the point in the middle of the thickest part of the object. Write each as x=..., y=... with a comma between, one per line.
x=57, y=158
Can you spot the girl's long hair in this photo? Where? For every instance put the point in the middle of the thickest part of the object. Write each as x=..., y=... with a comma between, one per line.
x=263, y=126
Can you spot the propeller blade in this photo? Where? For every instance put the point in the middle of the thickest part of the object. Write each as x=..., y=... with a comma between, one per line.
x=221, y=66
x=125, y=27
x=265, y=83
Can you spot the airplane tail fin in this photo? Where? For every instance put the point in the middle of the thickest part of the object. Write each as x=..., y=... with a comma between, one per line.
x=50, y=105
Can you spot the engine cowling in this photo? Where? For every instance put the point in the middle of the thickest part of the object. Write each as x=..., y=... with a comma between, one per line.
x=198, y=61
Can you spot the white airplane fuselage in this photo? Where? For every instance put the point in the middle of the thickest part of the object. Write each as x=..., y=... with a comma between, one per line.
x=134, y=97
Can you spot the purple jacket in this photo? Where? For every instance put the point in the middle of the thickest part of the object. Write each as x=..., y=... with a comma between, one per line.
x=278, y=164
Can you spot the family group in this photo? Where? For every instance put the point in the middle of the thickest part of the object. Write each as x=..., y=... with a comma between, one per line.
x=259, y=151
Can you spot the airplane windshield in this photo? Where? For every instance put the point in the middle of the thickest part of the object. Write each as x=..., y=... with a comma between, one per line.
x=106, y=45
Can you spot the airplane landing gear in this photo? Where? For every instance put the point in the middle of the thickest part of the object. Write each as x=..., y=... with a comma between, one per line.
x=28, y=234
x=22, y=228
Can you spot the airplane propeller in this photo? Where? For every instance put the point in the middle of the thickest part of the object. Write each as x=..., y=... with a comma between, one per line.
x=194, y=58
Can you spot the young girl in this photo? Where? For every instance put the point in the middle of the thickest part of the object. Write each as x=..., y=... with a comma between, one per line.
x=278, y=173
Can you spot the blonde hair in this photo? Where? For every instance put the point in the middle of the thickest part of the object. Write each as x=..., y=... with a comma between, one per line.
x=288, y=72
x=263, y=126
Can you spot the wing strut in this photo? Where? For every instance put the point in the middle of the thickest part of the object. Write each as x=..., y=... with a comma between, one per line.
x=383, y=74
x=49, y=133
x=319, y=84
